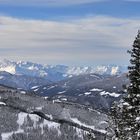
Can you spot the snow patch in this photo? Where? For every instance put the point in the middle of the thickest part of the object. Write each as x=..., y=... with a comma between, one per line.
x=51, y=125
x=82, y=124
x=114, y=70
x=45, y=88
x=125, y=103
x=9, y=69
x=20, y=121
x=2, y=103
x=104, y=93
x=39, y=108
x=49, y=116
x=5, y=136
x=46, y=97
x=21, y=117
x=51, y=87
x=87, y=93
x=61, y=92
x=1, y=77
x=138, y=119
x=96, y=89
x=34, y=87
x=23, y=92
x=57, y=100
x=64, y=99
x=88, y=126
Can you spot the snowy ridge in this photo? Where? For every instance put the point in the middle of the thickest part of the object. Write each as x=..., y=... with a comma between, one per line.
x=48, y=120
x=57, y=72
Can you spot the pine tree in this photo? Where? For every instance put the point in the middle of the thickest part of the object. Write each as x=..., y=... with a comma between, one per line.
x=126, y=114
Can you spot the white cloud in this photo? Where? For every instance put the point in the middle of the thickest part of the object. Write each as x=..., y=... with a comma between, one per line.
x=48, y=2
x=97, y=39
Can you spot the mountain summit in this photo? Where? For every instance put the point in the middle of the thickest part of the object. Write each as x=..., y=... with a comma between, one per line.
x=57, y=72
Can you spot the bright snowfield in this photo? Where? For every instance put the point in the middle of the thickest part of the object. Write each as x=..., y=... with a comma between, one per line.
x=104, y=93
x=2, y=103
x=113, y=94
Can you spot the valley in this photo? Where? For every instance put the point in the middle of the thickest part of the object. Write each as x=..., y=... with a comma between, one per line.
x=54, y=103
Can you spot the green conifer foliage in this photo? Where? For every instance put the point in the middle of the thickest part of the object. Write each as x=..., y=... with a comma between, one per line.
x=126, y=114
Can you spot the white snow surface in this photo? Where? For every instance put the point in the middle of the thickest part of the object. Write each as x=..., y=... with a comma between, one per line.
x=35, y=118
x=10, y=69
x=21, y=117
x=2, y=103
x=125, y=103
x=87, y=93
x=23, y=92
x=20, y=121
x=96, y=89
x=39, y=70
x=88, y=126
x=64, y=99
x=5, y=136
x=61, y=92
x=82, y=124
x=114, y=70
x=34, y=87
x=138, y=119
x=39, y=108
x=46, y=97
x=51, y=87
x=104, y=93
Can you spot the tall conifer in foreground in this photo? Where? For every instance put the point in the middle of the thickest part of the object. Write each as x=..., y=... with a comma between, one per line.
x=126, y=114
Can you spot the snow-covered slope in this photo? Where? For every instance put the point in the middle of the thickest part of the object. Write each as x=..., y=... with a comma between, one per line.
x=91, y=89
x=21, y=81
x=57, y=72
x=30, y=117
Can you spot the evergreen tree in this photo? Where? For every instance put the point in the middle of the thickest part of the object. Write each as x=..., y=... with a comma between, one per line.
x=90, y=136
x=126, y=114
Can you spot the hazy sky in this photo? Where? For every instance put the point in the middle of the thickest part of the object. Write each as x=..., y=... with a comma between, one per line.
x=71, y=32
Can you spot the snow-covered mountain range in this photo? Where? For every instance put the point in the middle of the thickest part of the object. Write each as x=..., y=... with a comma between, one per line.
x=57, y=72
x=47, y=101
x=91, y=89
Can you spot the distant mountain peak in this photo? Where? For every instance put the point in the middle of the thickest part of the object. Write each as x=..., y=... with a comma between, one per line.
x=57, y=72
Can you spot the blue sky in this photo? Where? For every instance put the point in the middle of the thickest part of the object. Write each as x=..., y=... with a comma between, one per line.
x=80, y=32
x=118, y=8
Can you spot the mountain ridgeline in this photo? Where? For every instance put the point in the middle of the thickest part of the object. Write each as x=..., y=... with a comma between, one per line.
x=58, y=102
x=31, y=117
x=93, y=86
x=56, y=73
